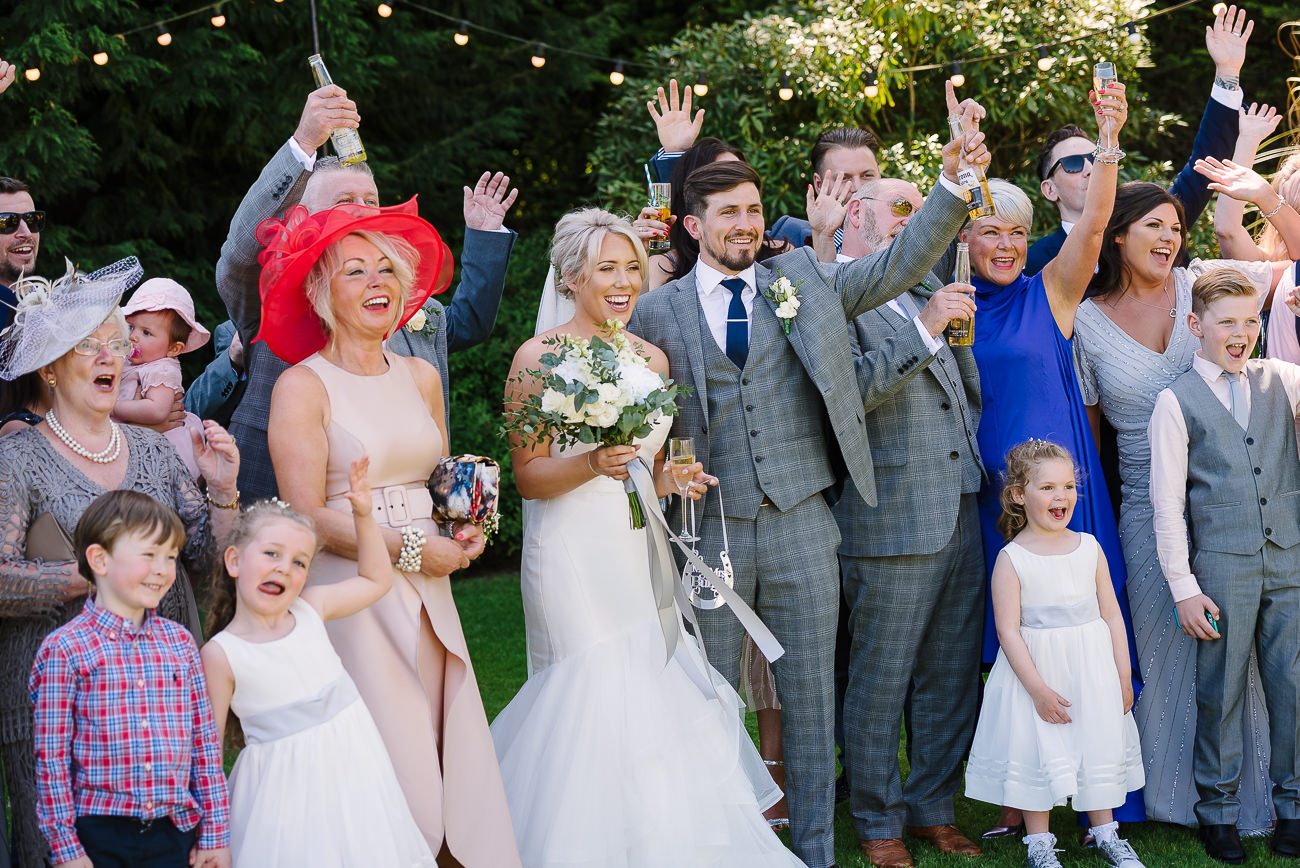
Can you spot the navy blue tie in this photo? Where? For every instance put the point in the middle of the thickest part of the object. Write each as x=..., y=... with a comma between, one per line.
x=737, y=322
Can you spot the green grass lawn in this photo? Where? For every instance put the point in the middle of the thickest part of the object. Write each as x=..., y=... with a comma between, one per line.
x=492, y=614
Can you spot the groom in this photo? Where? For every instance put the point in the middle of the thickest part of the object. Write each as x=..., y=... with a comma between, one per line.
x=777, y=416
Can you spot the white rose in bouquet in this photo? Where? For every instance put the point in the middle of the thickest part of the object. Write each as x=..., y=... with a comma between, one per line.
x=601, y=414
x=638, y=381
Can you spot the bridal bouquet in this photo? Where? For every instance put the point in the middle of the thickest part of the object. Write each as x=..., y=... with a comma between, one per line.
x=597, y=391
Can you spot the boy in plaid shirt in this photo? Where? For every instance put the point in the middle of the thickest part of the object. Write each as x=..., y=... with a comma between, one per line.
x=128, y=765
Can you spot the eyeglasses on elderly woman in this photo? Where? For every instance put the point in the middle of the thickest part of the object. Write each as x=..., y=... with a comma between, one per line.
x=120, y=347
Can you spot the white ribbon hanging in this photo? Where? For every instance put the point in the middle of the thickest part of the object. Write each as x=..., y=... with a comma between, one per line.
x=664, y=576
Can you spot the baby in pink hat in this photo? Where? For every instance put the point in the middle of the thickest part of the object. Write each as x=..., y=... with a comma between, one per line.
x=161, y=317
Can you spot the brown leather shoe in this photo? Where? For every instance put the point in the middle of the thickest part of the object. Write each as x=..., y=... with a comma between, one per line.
x=886, y=853
x=948, y=839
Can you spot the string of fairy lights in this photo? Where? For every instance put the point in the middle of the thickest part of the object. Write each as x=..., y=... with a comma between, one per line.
x=1041, y=54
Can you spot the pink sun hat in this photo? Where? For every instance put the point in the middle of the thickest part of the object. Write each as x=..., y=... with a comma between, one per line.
x=163, y=293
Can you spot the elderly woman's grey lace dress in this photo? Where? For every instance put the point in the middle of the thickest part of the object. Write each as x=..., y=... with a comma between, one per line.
x=35, y=479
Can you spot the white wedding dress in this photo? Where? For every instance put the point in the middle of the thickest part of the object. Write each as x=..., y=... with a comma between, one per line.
x=612, y=757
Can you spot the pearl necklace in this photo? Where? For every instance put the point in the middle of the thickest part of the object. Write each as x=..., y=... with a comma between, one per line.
x=106, y=456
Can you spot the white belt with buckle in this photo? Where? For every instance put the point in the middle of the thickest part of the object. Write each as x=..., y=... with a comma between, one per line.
x=395, y=505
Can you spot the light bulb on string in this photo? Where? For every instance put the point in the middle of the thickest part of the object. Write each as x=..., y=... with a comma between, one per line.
x=100, y=58
x=539, y=55
x=873, y=84
x=956, y=78
x=1133, y=35
x=701, y=86
x=1045, y=60
x=616, y=77
x=164, y=38
x=462, y=34
x=32, y=74
x=1220, y=8
x=218, y=20
x=785, y=92
x=384, y=10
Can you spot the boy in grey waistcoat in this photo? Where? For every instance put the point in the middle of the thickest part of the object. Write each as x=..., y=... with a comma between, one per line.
x=1223, y=448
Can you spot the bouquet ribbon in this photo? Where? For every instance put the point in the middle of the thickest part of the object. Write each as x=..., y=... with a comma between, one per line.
x=664, y=575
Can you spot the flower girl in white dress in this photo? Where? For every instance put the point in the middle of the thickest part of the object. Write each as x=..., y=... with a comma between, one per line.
x=313, y=784
x=1057, y=721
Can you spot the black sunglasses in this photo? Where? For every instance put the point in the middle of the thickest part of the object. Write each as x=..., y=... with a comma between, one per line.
x=9, y=221
x=1072, y=164
x=899, y=207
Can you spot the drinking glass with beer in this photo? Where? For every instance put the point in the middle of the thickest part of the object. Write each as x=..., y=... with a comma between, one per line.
x=660, y=199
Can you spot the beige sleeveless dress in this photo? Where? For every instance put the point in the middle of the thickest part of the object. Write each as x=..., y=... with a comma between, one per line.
x=407, y=652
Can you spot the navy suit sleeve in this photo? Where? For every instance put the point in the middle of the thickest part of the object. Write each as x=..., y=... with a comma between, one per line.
x=1044, y=251
x=473, y=309
x=1216, y=137
x=214, y=386
x=661, y=165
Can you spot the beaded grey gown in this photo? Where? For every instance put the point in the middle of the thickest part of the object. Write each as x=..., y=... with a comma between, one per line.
x=1125, y=376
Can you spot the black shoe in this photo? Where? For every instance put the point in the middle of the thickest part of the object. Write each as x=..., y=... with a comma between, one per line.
x=1286, y=838
x=1223, y=843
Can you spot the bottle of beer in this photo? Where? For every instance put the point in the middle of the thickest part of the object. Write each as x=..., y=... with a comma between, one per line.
x=346, y=141
x=971, y=177
x=961, y=332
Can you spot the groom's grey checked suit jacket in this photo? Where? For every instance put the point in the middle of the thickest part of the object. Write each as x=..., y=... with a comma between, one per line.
x=467, y=321
x=782, y=536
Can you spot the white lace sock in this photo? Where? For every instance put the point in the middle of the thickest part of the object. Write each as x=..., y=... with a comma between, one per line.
x=1105, y=831
x=1046, y=837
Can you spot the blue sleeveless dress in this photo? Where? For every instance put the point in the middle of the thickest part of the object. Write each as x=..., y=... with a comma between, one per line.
x=1029, y=389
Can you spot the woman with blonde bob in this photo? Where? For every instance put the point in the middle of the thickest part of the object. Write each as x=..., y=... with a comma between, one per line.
x=335, y=285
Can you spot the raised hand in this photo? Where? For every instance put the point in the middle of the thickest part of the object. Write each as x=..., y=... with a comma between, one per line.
x=7, y=71
x=1239, y=182
x=972, y=142
x=1225, y=40
x=954, y=301
x=328, y=108
x=826, y=207
x=1111, y=107
x=486, y=205
x=1257, y=122
x=359, y=487
x=677, y=130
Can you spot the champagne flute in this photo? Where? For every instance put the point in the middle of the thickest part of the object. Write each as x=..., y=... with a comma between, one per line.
x=681, y=455
x=1103, y=74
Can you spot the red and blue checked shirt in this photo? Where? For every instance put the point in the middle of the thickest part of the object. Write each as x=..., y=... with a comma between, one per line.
x=123, y=727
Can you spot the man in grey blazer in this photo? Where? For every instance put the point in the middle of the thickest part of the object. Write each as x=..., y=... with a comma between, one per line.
x=777, y=416
x=294, y=175
x=912, y=563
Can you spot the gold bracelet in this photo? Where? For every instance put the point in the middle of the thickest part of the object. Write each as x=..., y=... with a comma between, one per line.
x=234, y=504
x=593, y=469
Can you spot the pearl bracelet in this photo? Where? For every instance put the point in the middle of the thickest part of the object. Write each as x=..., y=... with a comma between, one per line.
x=410, y=558
x=1271, y=214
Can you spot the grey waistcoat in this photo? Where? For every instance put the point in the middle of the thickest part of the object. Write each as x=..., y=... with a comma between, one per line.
x=1243, y=487
x=768, y=432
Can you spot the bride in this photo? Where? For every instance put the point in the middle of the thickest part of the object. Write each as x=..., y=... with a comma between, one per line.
x=612, y=758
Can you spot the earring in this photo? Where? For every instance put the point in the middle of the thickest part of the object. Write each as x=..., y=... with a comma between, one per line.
x=51, y=382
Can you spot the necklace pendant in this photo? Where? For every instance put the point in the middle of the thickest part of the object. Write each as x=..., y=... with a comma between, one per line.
x=1173, y=313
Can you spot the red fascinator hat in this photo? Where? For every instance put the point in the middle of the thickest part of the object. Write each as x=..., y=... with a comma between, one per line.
x=290, y=326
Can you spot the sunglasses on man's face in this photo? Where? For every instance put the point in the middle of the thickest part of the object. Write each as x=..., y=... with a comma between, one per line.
x=1072, y=164
x=899, y=207
x=9, y=221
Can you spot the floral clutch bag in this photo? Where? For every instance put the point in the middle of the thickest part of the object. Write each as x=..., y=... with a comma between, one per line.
x=464, y=488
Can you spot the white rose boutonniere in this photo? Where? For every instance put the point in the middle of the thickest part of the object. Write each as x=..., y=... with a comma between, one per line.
x=421, y=323
x=785, y=295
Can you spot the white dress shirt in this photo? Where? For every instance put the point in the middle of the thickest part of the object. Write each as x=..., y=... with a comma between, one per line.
x=716, y=298
x=1167, y=433
x=900, y=305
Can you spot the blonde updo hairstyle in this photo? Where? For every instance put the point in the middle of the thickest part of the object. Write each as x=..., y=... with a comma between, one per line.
x=1021, y=461
x=1011, y=203
x=575, y=249
x=403, y=257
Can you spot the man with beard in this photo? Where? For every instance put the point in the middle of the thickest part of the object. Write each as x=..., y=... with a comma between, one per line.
x=912, y=563
x=777, y=416
x=20, y=230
